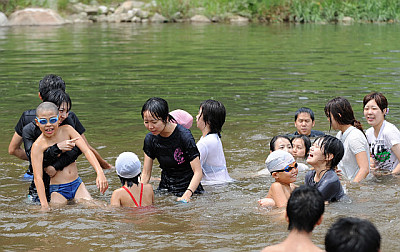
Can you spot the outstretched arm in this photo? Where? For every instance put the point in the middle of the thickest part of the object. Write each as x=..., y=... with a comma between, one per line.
x=194, y=183
x=147, y=167
x=101, y=180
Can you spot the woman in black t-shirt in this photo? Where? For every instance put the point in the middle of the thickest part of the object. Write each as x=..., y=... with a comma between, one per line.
x=175, y=149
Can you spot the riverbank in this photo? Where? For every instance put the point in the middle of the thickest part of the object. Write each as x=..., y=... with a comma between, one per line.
x=256, y=11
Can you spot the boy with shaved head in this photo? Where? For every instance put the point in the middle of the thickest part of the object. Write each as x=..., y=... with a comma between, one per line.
x=66, y=184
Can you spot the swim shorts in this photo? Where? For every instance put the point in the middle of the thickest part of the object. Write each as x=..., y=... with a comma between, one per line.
x=68, y=190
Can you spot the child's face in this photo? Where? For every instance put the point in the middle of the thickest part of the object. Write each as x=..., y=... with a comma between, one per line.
x=286, y=177
x=299, y=149
x=316, y=155
x=48, y=129
x=199, y=120
x=373, y=113
x=154, y=125
x=304, y=124
x=283, y=144
x=63, y=112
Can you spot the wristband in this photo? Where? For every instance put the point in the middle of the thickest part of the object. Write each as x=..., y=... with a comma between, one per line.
x=190, y=191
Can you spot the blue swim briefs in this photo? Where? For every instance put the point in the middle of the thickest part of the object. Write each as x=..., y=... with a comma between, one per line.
x=68, y=190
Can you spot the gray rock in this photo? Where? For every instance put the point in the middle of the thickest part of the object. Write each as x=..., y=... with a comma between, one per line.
x=238, y=19
x=103, y=9
x=158, y=18
x=136, y=20
x=200, y=19
x=35, y=16
x=347, y=20
x=142, y=14
x=128, y=5
x=3, y=19
x=102, y=18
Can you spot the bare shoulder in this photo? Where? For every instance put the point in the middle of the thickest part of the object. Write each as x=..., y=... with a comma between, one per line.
x=274, y=248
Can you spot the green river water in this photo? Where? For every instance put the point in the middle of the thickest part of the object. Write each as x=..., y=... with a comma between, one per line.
x=262, y=74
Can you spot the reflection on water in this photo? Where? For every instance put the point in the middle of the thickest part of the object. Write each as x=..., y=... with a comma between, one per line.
x=261, y=73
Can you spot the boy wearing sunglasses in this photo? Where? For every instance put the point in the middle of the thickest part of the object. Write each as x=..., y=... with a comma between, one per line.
x=283, y=169
x=66, y=184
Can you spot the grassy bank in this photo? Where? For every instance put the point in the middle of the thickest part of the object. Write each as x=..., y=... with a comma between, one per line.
x=301, y=11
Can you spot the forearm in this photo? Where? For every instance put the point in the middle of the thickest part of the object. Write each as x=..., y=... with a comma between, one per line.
x=362, y=174
x=66, y=158
x=147, y=167
x=396, y=170
x=41, y=191
x=362, y=161
x=15, y=147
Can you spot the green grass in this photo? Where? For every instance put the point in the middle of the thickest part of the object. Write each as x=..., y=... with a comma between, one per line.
x=301, y=11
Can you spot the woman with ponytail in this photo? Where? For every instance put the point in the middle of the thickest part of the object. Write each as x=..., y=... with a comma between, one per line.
x=355, y=162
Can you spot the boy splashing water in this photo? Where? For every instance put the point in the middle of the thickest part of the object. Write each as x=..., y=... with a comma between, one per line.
x=66, y=184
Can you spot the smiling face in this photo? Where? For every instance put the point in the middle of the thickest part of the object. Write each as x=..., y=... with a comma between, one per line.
x=286, y=177
x=283, y=144
x=63, y=111
x=47, y=129
x=373, y=114
x=154, y=125
x=299, y=149
x=304, y=124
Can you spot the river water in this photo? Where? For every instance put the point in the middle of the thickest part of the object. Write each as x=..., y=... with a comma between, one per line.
x=262, y=73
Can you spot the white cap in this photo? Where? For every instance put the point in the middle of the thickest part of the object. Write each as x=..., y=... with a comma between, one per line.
x=127, y=165
x=278, y=160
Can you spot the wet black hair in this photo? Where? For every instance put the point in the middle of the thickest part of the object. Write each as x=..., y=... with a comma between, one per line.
x=341, y=110
x=307, y=143
x=214, y=114
x=158, y=109
x=352, y=235
x=50, y=82
x=273, y=140
x=58, y=97
x=130, y=181
x=331, y=145
x=304, y=110
x=304, y=208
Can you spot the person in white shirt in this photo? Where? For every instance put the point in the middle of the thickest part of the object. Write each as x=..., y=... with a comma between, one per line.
x=210, y=120
x=383, y=136
x=355, y=162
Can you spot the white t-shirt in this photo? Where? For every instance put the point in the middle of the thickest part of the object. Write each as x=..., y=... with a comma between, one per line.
x=212, y=160
x=354, y=142
x=381, y=146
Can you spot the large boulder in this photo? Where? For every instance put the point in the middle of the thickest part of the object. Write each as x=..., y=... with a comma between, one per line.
x=3, y=19
x=128, y=5
x=35, y=16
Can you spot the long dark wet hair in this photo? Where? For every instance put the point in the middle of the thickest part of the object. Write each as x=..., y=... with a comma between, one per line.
x=342, y=112
x=158, y=108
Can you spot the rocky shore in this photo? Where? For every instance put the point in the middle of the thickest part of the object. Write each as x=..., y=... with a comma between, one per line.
x=129, y=11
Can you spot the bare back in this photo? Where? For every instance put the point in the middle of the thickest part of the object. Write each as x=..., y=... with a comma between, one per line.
x=122, y=198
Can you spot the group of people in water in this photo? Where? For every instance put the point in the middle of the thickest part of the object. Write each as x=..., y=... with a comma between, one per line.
x=53, y=139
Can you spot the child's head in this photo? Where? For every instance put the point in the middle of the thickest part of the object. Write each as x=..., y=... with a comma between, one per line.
x=305, y=208
x=326, y=149
x=340, y=112
x=352, y=235
x=182, y=117
x=47, y=118
x=281, y=142
x=127, y=167
x=62, y=101
x=304, y=121
x=282, y=166
x=50, y=82
x=157, y=108
x=301, y=146
x=375, y=108
x=213, y=114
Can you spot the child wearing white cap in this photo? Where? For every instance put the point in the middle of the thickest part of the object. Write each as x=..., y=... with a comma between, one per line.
x=132, y=193
x=283, y=169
